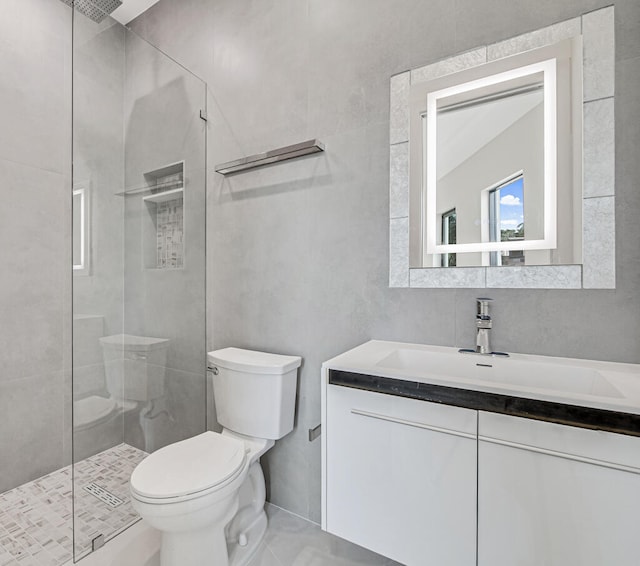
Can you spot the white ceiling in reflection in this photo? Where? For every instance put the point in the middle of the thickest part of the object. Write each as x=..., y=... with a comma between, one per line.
x=463, y=132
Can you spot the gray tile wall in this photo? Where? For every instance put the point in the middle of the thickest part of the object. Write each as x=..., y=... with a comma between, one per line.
x=98, y=159
x=35, y=230
x=298, y=254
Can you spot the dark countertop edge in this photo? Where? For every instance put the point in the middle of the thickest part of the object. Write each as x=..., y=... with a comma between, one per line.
x=561, y=413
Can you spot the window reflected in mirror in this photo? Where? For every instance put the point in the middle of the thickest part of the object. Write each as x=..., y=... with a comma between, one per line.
x=449, y=236
x=507, y=220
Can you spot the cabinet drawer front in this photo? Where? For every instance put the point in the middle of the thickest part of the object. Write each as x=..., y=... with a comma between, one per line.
x=454, y=419
x=415, y=424
x=606, y=448
x=539, y=509
x=401, y=477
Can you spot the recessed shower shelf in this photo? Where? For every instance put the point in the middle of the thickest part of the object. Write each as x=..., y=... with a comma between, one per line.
x=164, y=196
x=274, y=156
x=163, y=223
x=163, y=179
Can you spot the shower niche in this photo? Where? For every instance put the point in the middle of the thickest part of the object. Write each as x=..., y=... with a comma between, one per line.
x=163, y=223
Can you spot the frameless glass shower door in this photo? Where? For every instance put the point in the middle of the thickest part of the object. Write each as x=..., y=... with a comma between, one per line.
x=139, y=355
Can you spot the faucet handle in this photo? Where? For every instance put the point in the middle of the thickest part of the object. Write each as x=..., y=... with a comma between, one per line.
x=482, y=304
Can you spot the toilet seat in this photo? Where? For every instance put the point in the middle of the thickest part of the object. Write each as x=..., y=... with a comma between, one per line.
x=189, y=469
x=91, y=410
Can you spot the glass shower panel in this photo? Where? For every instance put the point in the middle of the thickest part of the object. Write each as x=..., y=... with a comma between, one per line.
x=139, y=348
x=164, y=247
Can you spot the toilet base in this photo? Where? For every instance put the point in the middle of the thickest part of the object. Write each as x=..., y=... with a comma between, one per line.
x=210, y=547
x=246, y=530
x=242, y=555
x=194, y=548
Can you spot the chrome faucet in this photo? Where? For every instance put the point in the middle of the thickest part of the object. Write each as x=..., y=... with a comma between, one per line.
x=484, y=323
x=483, y=326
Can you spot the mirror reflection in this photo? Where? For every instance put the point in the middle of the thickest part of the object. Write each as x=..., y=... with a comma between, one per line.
x=80, y=215
x=496, y=176
x=489, y=163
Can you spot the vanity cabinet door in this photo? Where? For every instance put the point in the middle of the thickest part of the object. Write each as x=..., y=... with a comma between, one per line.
x=553, y=495
x=401, y=477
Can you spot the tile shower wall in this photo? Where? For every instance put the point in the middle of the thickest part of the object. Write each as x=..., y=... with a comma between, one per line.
x=35, y=230
x=98, y=165
x=299, y=252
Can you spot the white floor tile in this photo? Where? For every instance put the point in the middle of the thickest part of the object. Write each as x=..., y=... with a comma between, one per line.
x=36, y=517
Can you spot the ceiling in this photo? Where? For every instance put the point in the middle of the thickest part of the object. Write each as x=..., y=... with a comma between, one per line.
x=131, y=9
x=464, y=132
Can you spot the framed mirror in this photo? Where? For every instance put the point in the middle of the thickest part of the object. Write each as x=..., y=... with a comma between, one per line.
x=488, y=154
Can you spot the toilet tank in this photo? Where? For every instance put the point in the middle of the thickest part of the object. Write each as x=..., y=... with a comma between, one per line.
x=254, y=392
x=135, y=366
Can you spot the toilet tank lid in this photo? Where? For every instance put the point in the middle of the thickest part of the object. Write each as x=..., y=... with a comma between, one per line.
x=250, y=361
x=131, y=342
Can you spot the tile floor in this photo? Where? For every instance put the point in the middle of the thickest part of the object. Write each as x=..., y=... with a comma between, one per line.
x=289, y=541
x=35, y=525
x=35, y=518
x=111, y=470
x=293, y=541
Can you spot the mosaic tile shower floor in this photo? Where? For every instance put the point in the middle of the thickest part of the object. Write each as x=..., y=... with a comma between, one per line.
x=35, y=518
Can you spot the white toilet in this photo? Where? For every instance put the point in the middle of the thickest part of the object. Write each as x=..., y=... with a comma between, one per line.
x=206, y=494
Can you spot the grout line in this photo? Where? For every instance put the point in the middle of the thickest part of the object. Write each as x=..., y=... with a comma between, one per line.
x=273, y=554
x=294, y=514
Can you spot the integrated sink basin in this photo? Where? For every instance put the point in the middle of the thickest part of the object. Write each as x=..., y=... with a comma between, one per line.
x=584, y=383
x=513, y=371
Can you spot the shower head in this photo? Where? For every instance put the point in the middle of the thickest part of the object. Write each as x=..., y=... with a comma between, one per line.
x=97, y=10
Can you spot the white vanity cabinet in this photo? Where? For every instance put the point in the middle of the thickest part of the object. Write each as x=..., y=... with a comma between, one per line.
x=400, y=476
x=433, y=458
x=554, y=495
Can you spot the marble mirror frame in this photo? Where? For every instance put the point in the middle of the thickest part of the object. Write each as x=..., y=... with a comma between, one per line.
x=597, y=270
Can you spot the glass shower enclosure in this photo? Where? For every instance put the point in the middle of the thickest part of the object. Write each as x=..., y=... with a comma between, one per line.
x=138, y=194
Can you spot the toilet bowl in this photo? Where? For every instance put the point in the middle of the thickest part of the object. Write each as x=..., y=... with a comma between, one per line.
x=206, y=494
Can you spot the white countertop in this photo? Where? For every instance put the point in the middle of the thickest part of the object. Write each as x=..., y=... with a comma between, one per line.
x=589, y=383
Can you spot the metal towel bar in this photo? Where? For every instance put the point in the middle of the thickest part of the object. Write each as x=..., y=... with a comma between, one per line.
x=273, y=156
